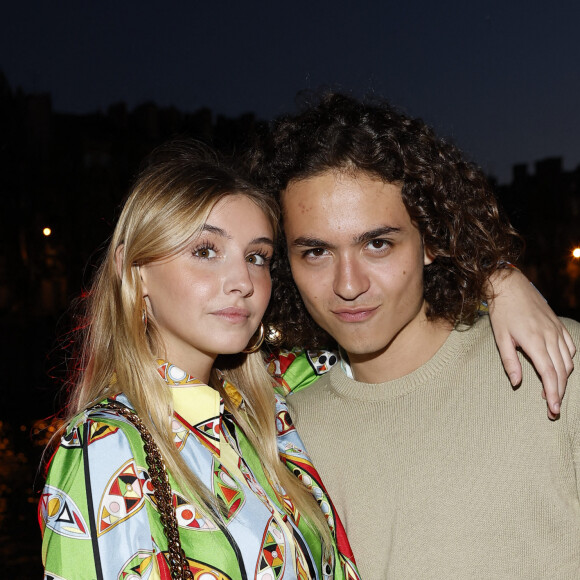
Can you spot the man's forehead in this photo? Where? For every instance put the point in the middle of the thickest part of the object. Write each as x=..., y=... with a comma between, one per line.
x=358, y=183
x=342, y=196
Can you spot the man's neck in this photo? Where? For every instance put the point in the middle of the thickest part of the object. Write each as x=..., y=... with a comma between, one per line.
x=408, y=351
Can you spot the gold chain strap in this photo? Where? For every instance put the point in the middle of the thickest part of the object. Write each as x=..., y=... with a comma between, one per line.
x=162, y=491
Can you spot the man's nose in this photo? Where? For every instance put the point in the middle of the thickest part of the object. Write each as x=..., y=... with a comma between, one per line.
x=350, y=278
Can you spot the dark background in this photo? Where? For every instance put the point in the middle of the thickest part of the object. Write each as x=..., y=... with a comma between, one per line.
x=502, y=78
x=87, y=92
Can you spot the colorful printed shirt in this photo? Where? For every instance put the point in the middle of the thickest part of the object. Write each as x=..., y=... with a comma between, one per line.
x=99, y=517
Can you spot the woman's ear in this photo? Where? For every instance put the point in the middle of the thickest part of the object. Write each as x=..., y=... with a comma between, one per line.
x=119, y=264
x=144, y=290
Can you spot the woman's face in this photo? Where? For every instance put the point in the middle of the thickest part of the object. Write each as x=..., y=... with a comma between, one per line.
x=210, y=298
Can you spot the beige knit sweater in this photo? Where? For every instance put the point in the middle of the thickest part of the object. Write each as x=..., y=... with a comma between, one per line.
x=448, y=472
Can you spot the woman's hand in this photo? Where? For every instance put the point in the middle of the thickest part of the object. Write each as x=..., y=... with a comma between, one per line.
x=520, y=317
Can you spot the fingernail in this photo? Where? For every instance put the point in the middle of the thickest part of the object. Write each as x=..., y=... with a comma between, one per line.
x=514, y=379
x=556, y=407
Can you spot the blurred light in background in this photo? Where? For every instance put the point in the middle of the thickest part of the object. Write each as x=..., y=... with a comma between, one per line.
x=47, y=232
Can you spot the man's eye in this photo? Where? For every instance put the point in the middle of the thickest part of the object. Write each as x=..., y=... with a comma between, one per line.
x=315, y=252
x=379, y=244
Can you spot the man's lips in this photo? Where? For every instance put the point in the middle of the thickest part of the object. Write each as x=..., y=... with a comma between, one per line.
x=232, y=314
x=359, y=314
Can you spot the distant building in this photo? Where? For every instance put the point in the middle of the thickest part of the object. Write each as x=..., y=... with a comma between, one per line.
x=545, y=207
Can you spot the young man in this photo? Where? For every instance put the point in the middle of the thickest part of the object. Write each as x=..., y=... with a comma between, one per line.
x=437, y=467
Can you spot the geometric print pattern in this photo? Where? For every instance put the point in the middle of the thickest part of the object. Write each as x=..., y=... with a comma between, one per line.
x=60, y=513
x=272, y=559
x=180, y=433
x=99, y=431
x=122, y=499
x=228, y=490
x=139, y=566
x=321, y=360
x=174, y=376
x=189, y=516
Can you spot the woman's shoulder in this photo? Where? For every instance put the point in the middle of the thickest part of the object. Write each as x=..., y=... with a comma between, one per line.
x=99, y=433
x=98, y=448
x=298, y=368
x=112, y=411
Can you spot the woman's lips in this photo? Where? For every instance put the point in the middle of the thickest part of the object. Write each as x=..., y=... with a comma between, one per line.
x=233, y=314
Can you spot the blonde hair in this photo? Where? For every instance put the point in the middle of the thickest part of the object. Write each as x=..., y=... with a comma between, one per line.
x=169, y=203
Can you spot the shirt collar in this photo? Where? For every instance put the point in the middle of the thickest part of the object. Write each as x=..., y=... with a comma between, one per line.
x=198, y=404
x=345, y=364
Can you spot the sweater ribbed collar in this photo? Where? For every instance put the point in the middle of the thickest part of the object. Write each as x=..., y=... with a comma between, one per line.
x=457, y=343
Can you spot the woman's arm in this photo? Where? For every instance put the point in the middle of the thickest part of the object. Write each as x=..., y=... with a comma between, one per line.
x=520, y=317
x=93, y=512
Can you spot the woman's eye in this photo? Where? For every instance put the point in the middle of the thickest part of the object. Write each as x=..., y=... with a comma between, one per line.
x=205, y=253
x=258, y=259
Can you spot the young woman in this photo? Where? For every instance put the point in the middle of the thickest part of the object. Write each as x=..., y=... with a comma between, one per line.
x=180, y=294
x=185, y=280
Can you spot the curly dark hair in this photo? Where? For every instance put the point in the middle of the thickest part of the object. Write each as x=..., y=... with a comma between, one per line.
x=447, y=197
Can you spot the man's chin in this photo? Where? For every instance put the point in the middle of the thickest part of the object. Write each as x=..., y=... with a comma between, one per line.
x=363, y=350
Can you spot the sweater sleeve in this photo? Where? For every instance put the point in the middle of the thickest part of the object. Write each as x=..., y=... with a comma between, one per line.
x=571, y=404
x=93, y=510
x=572, y=408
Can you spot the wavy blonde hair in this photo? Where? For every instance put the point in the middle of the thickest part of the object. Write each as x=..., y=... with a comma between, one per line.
x=168, y=205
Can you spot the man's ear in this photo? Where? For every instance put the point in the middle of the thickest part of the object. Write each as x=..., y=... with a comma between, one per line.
x=428, y=256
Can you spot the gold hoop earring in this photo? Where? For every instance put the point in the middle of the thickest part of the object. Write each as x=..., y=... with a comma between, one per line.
x=258, y=343
x=144, y=314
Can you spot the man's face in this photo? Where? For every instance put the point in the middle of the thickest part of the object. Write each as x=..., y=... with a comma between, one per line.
x=357, y=260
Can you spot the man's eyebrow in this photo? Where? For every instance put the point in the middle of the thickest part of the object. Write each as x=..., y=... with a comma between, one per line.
x=311, y=242
x=376, y=233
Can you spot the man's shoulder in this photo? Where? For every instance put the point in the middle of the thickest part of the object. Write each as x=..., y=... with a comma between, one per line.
x=309, y=407
x=573, y=327
x=481, y=340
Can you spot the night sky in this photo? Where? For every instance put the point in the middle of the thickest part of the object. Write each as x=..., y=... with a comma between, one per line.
x=502, y=78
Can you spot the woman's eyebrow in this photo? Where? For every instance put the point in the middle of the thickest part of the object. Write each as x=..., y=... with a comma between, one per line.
x=223, y=234
x=263, y=240
x=215, y=230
